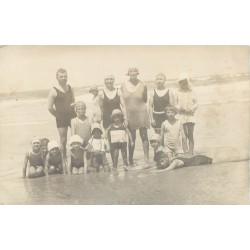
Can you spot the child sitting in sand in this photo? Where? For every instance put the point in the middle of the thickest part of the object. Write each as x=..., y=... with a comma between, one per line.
x=33, y=157
x=54, y=163
x=117, y=137
x=163, y=162
x=96, y=112
x=81, y=125
x=155, y=143
x=76, y=158
x=172, y=133
x=98, y=147
x=186, y=103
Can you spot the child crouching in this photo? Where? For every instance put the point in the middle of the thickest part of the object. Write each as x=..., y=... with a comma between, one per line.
x=33, y=157
x=54, y=163
x=76, y=158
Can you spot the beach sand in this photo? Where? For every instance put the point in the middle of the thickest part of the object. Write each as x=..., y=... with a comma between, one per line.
x=221, y=132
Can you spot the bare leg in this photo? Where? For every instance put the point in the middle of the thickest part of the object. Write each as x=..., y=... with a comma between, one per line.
x=115, y=158
x=32, y=172
x=63, y=139
x=132, y=148
x=40, y=171
x=190, y=127
x=95, y=164
x=124, y=156
x=145, y=143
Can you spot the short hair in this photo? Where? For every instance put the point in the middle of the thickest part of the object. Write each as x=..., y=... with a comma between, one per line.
x=162, y=75
x=80, y=104
x=172, y=108
x=61, y=70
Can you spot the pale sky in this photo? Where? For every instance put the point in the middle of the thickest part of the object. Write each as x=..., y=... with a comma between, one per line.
x=33, y=67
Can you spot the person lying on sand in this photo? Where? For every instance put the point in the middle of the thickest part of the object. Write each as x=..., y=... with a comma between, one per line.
x=33, y=157
x=54, y=163
x=163, y=162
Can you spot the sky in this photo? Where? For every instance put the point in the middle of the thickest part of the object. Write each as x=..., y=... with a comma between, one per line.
x=25, y=68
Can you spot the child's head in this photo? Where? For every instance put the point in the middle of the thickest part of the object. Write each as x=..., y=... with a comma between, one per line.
x=75, y=141
x=109, y=81
x=170, y=111
x=53, y=147
x=36, y=143
x=117, y=116
x=94, y=90
x=44, y=144
x=96, y=130
x=155, y=141
x=160, y=79
x=162, y=160
x=184, y=83
x=80, y=108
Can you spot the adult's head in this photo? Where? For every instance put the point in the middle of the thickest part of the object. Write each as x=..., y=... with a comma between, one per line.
x=61, y=76
x=109, y=81
x=133, y=73
x=160, y=79
x=184, y=82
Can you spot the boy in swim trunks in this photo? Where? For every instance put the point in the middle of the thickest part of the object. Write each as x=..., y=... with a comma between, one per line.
x=172, y=134
x=33, y=157
x=76, y=158
x=98, y=147
x=54, y=163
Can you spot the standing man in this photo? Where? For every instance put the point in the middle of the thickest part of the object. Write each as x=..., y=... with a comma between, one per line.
x=61, y=105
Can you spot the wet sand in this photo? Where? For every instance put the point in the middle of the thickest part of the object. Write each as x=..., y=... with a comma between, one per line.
x=221, y=132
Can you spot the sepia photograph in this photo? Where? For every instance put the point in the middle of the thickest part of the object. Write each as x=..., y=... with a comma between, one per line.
x=124, y=125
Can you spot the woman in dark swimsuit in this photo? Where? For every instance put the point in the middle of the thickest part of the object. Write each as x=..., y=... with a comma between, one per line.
x=110, y=99
x=160, y=99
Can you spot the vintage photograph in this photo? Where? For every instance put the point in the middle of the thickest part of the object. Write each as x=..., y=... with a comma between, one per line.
x=124, y=125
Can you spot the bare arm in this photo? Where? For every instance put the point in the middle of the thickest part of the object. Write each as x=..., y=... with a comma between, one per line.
x=130, y=137
x=26, y=159
x=101, y=101
x=51, y=102
x=123, y=105
x=162, y=135
x=69, y=163
x=73, y=126
x=73, y=97
x=150, y=108
x=171, y=97
x=195, y=104
x=46, y=169
x=174, y=164
x=145, y=94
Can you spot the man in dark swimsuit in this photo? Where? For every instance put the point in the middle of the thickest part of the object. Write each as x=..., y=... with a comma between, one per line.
x=61, y=105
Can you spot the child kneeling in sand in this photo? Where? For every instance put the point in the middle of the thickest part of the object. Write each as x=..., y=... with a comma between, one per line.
x=33, y=157
x=76, y=158
x=163, y=162
x=54, y=163
x=172, y=133
x=117, y=136
x=98, y=147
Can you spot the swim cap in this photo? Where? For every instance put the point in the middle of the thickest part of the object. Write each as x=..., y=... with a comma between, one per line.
x=133, y=69
x=53, y=144
x=75, y=138
x=116, y=112
x=109, y=77
x=93, y=88
x=161, y=74
x=96, y=126
x=80, y=104
x=35, y=139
